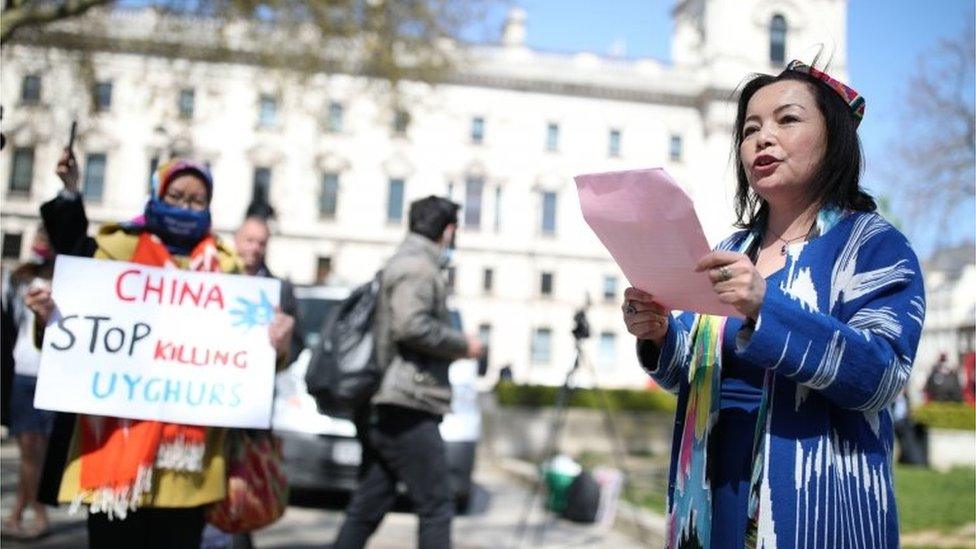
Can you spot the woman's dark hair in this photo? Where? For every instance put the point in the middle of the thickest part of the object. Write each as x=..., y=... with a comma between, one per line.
x=836, y=181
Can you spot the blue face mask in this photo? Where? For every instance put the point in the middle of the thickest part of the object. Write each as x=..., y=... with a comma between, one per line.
x=179, y=228
x=446, y=255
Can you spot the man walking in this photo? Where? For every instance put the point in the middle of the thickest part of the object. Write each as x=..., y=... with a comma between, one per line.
x=415, y=339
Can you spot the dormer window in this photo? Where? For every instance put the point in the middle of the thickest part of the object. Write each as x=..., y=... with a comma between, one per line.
x=777, y=40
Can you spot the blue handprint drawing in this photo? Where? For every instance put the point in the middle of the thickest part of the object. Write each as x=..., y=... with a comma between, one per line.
x=253, y=313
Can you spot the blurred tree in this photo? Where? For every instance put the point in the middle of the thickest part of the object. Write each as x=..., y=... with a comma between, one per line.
x=935, y=154
x=388, y=39
x=27, y=13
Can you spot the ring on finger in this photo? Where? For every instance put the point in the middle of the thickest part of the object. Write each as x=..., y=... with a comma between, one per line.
x=630, y=309
x=725, y=273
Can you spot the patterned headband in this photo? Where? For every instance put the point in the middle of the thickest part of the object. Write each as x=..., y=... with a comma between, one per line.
x=850, y=96
x=167, y=172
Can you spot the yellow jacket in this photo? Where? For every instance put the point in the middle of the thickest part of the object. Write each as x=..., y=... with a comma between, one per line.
x=169, y=488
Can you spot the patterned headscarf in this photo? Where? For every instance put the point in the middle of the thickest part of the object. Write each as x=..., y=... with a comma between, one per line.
x=167, y=172
x=854, y=100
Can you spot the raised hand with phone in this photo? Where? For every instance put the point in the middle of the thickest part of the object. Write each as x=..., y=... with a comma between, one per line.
x=67, y=169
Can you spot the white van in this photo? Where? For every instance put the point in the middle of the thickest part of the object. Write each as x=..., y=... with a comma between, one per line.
x=322, y=452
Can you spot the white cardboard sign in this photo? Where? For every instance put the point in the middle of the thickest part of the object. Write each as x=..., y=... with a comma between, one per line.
x=139, y=342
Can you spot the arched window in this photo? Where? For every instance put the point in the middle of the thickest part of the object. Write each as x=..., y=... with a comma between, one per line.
x=777, y=40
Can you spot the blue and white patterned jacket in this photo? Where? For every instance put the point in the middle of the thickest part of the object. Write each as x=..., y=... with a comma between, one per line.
x=839, y=335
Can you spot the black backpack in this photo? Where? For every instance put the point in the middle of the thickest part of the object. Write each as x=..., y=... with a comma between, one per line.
x=343, y=372
x=582, y=499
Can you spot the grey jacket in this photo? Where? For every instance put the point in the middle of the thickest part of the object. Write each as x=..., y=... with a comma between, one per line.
x=413, y=330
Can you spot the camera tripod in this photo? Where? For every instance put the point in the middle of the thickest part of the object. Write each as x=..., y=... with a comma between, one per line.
x=581, y=331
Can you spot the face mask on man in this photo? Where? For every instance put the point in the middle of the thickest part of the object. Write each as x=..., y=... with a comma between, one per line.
x=447, y=250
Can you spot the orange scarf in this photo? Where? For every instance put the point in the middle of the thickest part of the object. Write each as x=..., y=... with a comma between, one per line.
x=118, y=455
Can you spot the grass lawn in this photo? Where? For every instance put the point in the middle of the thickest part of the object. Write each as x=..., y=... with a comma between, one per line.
x=927, y=500
x=930, y=500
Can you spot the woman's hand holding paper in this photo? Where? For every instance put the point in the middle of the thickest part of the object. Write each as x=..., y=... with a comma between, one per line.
x=644, y=317
x=736, y=281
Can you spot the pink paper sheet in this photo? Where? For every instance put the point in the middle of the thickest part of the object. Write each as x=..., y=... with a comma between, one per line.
x=649, y=226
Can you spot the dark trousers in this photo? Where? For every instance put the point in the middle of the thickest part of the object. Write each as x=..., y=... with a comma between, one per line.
x=147, y=528
x=404, y=445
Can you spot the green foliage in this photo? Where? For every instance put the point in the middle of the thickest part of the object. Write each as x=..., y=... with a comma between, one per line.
x=538, y=396
x=927, y=500
x=947, y=415
x=930, y=500
x=389, y=40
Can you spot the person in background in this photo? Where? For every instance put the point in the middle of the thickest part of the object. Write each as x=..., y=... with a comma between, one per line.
x=913, y=450
x=943, y=383
x=415, y=339
x=28, y=425
x=175, y=229
x=251, y=243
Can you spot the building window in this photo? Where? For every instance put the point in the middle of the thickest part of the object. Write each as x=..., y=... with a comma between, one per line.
x=451, y=278
x=30, y=90
x=401, y=121
x=94, y=182
x=267, y=110
x=484, y=333
x=607, y=352
x=329, y=197
x=498, y=209
x=777, y=40
x=675, y=146
x=488, y=280
x=103, y=96
x=186, y=103
x=261, y=186
x=22, y=171
x=335, y=117
x=609, y=288
x=394, y=201
x=477, y=130
x=323, y=269
x=545, y=284
x=473, y=188
x=153, y=164
x=541, y=345
x=11, y=245
x=552, y=137
x=614, y=144
x=548, y=222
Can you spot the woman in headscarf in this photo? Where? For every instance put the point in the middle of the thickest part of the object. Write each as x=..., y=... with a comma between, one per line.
x=783, y=435
x=146, y=482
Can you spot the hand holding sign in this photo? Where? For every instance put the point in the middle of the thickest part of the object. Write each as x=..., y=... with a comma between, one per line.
x=141, y=342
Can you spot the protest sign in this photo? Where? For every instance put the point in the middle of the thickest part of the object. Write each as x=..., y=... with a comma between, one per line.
x=139, y=342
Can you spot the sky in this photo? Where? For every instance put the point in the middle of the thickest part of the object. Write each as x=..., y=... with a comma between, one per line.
x=886, y=38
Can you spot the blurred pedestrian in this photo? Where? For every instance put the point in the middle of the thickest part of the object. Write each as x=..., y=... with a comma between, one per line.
x=110, y=459
x=943, y=384
x=913, y=448
x=251, y=242
x=777, y=403
x=28, y=425
x=415, y=339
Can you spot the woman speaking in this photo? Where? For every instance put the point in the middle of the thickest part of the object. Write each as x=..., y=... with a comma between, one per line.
x=783, y=435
